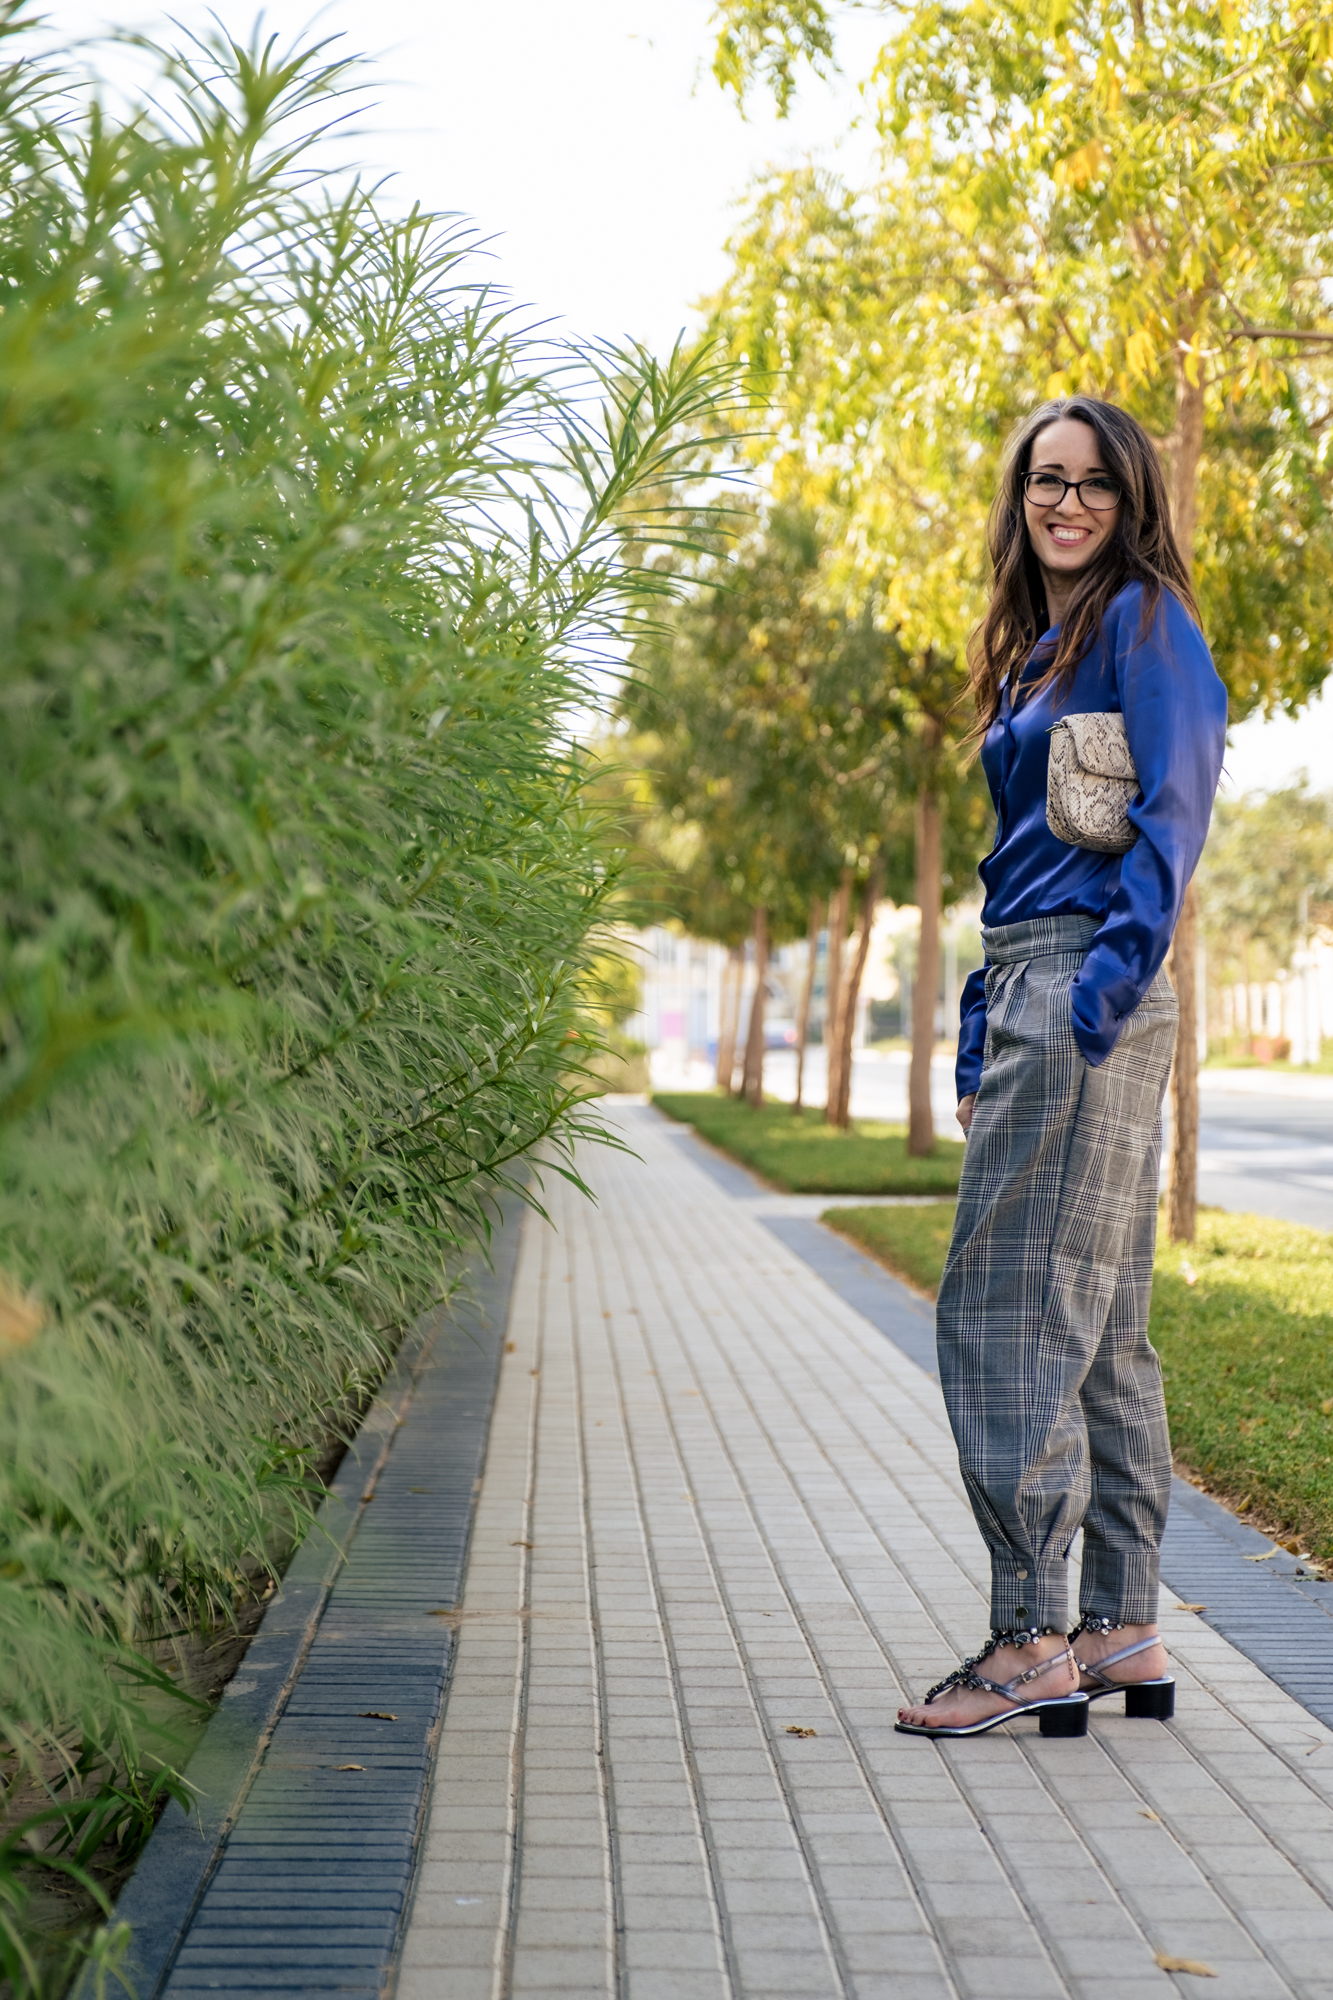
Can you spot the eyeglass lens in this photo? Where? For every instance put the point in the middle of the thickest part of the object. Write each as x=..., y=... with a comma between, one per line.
x=1047, y=489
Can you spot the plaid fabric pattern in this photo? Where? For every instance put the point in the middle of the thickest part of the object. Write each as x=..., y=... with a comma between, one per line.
x=1053, y=1391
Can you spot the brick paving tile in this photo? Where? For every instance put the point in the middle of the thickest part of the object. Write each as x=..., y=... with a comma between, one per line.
x=719, y=1505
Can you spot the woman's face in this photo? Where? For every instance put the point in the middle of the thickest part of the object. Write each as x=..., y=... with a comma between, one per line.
x=1065, y=532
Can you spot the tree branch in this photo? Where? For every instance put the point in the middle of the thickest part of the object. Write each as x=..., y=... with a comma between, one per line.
x=1280, y=333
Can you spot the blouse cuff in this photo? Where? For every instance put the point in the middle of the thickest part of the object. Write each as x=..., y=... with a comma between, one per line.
x=971, y=1034
x=1099, y=1005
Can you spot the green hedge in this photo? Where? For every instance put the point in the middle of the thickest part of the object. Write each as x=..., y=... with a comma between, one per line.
x=301, y=547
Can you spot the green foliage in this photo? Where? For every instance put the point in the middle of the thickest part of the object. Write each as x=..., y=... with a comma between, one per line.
x=1243, y=1319
x=799, y=1152
x=1131, y=199
x=1267, y=872
x=766, y=41
x=1245, y=1352
x=303, y=546
x=774, y=738
x=758, y=39
x=752, y=704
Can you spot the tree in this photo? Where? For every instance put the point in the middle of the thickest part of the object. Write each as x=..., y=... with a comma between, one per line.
x=825, y=309
x=1144, y=193
x=759, y=716
x=1266, y=874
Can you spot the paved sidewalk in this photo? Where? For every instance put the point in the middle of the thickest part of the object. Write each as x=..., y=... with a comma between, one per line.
x=719, y=1508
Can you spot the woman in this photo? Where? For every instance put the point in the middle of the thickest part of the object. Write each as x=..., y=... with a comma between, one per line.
x=1053, y=1391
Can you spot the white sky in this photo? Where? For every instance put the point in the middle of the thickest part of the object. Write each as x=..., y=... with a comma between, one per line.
x=588, y=139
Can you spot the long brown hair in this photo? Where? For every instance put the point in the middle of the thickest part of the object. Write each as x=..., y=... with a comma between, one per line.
x=1141, y=549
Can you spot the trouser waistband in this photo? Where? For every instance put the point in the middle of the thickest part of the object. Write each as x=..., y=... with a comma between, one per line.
x=1040, y=937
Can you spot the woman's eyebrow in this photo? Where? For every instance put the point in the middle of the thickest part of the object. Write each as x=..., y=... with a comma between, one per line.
x=1058, y=465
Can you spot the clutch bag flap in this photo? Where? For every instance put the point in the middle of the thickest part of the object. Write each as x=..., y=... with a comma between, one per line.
x=1101, y=745
x=1091, y=783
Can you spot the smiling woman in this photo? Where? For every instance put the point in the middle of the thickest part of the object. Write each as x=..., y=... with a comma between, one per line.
x=1053, y=1391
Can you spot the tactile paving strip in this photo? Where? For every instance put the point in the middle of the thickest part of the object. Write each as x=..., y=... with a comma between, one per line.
x=1281, y=1620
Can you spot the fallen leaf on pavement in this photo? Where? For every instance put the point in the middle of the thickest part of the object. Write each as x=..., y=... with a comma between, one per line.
x=1145, y=1812
x=349, y=1767
x=1170, y=1963
x=1194, y=1607
x=795, y=1729
x=1267, y=1556
x=522, y=1545
x=377, y=1714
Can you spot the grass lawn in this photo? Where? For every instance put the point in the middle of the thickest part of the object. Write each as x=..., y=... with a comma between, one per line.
x=798, y=1151
x=1243, y=1321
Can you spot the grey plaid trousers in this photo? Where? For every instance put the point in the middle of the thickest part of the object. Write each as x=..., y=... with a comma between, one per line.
x=1052, y=1388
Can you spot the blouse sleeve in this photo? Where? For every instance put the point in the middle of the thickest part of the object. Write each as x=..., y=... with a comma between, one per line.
x=1175, y=710
x=971, y=1033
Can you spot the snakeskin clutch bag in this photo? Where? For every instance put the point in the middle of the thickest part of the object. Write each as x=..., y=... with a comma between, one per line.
x=1091, y=783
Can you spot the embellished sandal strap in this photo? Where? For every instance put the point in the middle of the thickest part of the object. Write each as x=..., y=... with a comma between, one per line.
x=1104, y=1626
x=967, y=1676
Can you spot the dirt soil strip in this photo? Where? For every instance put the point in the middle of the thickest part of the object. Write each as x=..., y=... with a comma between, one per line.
x=293, y=1875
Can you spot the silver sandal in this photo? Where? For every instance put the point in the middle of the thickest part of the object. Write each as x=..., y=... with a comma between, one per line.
x=1150, y=1701
x=1060, y=1715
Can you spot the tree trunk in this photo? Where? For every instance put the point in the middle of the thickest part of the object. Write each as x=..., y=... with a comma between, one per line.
x=1186, y=451
x=839, y=907
x=1182, y=1200
x=840, y=1095
x=929, y=895
x=752, y=1086
x=729, y=1014
x=807, y=988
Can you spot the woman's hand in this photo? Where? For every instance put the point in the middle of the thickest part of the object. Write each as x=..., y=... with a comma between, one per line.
x=965, y=1111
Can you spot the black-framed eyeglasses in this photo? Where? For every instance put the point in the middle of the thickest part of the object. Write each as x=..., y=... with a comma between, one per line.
x=1099, y=491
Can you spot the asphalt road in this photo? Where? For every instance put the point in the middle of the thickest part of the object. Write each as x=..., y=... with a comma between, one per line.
x=1265, y=1142
x=1265, y=1149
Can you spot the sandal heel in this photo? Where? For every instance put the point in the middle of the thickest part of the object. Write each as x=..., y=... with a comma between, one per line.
x=1151, y=1701
x=1065, y=1718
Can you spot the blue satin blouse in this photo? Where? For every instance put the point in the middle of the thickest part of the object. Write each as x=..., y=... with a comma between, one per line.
x=1175, y=709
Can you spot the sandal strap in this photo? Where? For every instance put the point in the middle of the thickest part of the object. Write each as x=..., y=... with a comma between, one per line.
x=1006, y=1688
x=1112, y=1659
x=967, y=1676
